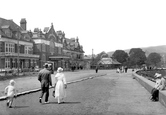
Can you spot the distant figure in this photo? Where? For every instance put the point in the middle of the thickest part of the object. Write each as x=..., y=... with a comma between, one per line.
x=61, y=85
x=96, y=69
x=122, y=69
x=117, y=70
x=44, y=77
x=125, y=69
x=10, y=92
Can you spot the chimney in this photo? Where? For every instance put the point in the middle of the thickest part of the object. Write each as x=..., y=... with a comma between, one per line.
x=77, y=40
x=23, y=23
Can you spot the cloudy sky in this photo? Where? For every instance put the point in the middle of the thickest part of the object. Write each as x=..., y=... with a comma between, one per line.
x=101, y=25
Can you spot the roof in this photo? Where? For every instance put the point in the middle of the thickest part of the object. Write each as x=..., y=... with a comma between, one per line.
x=109, y=61
x=12, y=24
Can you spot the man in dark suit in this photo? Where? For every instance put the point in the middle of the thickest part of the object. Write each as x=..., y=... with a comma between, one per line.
x=44, y=77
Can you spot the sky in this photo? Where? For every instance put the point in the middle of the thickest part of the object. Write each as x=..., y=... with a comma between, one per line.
x=100, y=25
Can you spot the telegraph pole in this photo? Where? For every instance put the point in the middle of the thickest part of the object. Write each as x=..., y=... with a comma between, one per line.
x=18, y=51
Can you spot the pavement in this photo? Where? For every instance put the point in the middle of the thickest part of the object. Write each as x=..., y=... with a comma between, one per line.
x=111, y=94
x=29, y=84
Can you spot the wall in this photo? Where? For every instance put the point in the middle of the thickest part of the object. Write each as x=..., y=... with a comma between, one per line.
x=148, y=85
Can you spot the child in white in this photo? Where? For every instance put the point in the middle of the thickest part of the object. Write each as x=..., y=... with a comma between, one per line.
x=10, y=92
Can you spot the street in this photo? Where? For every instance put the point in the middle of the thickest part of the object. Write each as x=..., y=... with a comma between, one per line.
x=112, y=94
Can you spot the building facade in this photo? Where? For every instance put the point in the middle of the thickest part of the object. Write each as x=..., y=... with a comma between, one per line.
x=26, y=49
x=52, y=46
x=16, y=46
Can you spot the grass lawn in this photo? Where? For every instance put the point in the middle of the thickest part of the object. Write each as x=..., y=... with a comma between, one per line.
x=10, y=76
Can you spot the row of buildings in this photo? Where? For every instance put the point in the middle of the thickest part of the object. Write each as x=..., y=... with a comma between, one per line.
x=24, y=49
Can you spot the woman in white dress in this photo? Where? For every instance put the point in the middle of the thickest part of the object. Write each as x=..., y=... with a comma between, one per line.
x=60, y=88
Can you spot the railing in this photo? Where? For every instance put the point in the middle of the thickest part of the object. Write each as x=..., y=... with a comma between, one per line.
x=16, y=54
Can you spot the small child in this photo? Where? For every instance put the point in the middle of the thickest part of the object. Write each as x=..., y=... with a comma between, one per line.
x=10, y=92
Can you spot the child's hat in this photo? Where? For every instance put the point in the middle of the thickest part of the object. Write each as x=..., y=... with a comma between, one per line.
x=12, y=82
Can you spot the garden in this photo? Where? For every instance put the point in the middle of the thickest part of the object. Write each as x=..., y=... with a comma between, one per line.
x=149, y=74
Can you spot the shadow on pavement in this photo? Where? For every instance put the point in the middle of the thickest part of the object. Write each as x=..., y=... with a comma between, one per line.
x=65, y=103
x=16, y=107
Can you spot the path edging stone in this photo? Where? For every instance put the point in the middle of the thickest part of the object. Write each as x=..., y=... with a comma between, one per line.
x=39, y=89
x=148, y=85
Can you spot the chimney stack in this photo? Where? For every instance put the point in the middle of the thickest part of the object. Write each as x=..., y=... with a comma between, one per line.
x=23, y=23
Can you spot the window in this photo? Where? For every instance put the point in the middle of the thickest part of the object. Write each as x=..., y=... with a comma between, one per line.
x=28, y=49
x=59, y=51
x=7, y=63
x=43, y=57
x=26, y=37
x=52, y=46
x=43, y=47
x=8, y=33
x=9, y=47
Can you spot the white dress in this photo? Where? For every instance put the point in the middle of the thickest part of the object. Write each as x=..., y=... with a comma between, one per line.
x=10, y=90
x=59, y=89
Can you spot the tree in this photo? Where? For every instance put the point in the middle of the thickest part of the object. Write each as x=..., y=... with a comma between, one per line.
x=121, y=56
x=99, y=56
x=154, y=58
x=137, y=57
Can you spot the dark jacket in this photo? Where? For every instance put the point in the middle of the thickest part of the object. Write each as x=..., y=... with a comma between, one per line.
x=44, y=77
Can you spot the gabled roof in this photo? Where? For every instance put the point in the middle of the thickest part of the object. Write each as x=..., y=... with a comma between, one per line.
x=108, y=61
x=13, y=25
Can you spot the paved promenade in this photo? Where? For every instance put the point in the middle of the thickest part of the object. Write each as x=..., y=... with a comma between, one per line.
x=112, y=94
x=30, y=83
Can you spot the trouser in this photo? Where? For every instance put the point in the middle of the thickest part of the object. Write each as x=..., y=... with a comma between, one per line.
x=155, y=94
x=96, y=70
x=46, y=91
x=10, y=100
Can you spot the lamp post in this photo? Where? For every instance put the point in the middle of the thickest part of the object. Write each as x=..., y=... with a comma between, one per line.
x=92, y=59
x=18, y=51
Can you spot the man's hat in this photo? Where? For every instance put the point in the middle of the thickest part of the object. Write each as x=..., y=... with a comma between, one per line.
x=45, y=65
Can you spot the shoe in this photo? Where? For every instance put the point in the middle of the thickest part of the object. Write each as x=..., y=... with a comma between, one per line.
x=10, y=106
x=47, y=102
x=40, y=100
x=7, y=104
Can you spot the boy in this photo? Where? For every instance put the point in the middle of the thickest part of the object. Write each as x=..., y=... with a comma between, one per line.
x=10, y=93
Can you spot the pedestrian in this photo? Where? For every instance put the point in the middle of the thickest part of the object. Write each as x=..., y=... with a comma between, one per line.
x=117, y=70
x=10, y=93
x=60, y=85
x=44, y=77
x=96, y=69
x=159, y=85
x=126, y=69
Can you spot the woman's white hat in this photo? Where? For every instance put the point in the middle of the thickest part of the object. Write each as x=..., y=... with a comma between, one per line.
x=59, y=69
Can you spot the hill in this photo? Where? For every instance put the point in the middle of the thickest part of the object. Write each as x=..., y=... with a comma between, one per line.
x=158, y=49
